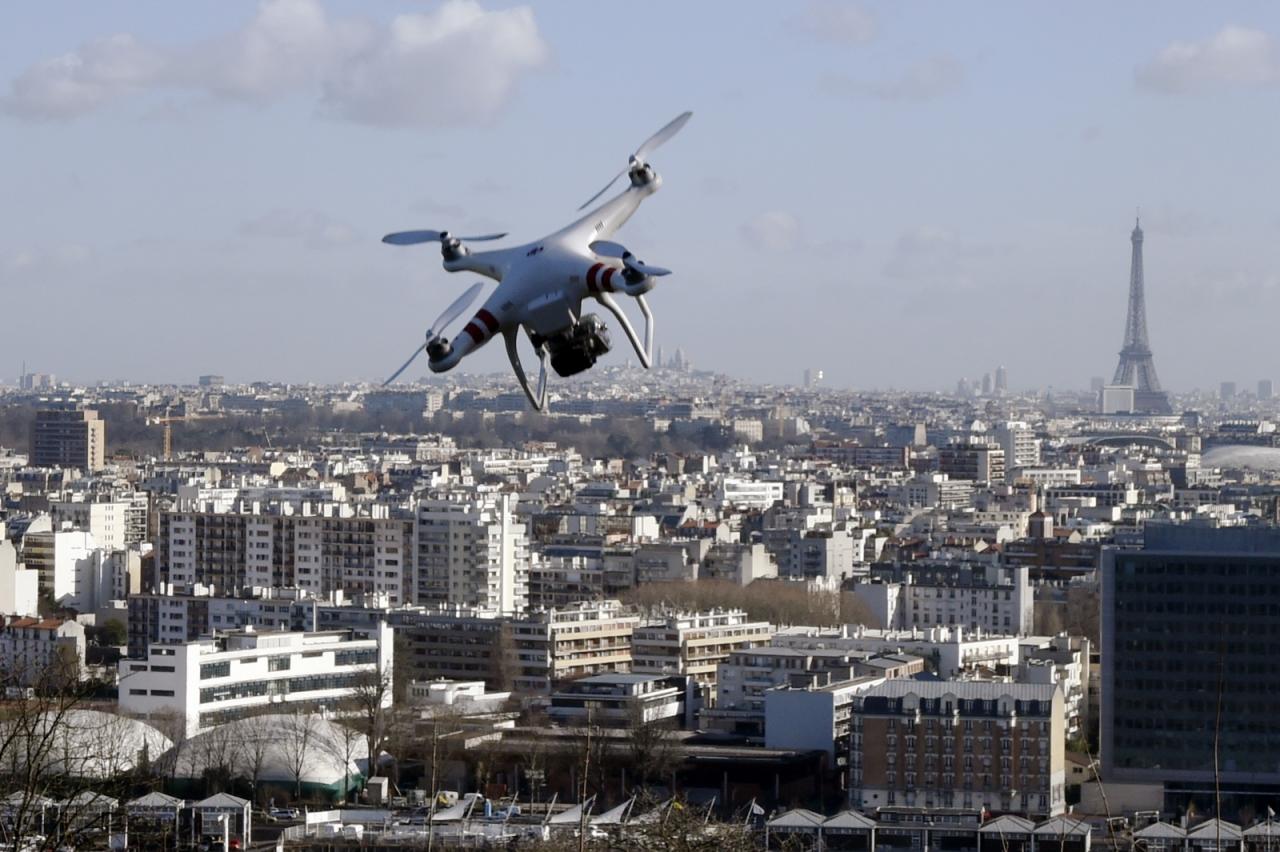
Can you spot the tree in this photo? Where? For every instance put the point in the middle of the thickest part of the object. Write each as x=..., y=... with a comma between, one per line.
x=255, y=744
x=371, y=704
x=113, y=633
x=650, y=747
x=348, y=736
x=298, y=734
x=50, y=751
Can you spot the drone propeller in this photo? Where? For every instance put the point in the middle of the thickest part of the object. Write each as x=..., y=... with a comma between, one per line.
x=649, y=146
x=450, y=314
x=607, y=248
x=409, y=238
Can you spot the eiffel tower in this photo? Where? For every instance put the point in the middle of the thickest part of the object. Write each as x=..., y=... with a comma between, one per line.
x=1136, y=369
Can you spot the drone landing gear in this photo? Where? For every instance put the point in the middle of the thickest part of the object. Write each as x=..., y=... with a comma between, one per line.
x=538, y=400
x=644, y=353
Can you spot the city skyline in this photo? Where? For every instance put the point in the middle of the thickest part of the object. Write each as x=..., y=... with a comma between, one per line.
x=206, y=189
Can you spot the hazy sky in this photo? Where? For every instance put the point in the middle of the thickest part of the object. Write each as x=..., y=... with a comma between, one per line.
x=898, y=193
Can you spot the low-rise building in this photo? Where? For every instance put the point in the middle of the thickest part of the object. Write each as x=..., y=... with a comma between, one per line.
x=210, y=681
x=620, y=701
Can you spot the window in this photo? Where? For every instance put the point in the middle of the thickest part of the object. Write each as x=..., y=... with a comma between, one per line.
x=162, y=668
x=137, y=692
x=164, y=693
x=279, y=664
x=208, y=670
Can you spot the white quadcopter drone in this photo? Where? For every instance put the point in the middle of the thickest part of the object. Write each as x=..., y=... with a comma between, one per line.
x=541, y=285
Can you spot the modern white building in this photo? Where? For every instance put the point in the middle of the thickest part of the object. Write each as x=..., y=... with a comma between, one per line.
x=1020, y=445
x=813, y=718
x=748, y=493
x=19, y=586
x=472, y=551
x=211, y=681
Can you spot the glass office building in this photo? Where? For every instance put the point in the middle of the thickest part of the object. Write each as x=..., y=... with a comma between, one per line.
x=1190, y=656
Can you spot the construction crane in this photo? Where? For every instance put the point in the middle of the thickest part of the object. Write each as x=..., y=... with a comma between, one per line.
x=167, y=421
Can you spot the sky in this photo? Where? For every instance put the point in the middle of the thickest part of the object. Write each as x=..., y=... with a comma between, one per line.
x=898, y=193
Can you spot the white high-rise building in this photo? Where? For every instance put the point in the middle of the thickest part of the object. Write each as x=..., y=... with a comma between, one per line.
x=472, y=551
x=1020, y=444
x=107, y=520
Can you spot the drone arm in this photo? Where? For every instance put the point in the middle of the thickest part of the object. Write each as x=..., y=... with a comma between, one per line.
x=539, y=400
x=642, y=351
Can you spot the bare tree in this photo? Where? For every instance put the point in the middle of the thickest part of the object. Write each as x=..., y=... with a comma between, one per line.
x=53, y=752
x=371, y=704
x=256, y=742
x=347, y=737
x=650, y=747
x=298, y=734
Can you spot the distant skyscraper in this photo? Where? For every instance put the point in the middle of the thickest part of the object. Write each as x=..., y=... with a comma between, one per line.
x=69, y=437
x=1136, y=367
x=1227, y=391
x=812, y=377
x=1265, y=389
x=1002, y=379
x=1096, y=384
x=988, y=384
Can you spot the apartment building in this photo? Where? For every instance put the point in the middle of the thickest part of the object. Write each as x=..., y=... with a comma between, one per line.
x=240, y=673
x=472, y=551
x=160, y=617
x=38, y=651
x=694, y=644
x=966, y=744
x=551, y=646
x=975, y=596
x=975, y=461
x=318, y=547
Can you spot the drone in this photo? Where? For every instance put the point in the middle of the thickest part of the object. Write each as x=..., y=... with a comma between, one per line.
x=542, y=285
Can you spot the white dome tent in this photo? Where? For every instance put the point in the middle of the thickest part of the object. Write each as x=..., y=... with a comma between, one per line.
x=280, y=750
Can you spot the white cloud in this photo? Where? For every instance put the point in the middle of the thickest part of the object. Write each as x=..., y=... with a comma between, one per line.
x=98, y=72
x=311, y=227
x=458, y=64
x=288, y=45
x=775, y=230
x=836, y=21
x=931, y=78
x=1234, y=56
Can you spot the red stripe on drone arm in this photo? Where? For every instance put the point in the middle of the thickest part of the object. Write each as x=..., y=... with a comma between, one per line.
x=591, y=277
x=607, y=283
x=489, y=320
x=477, y=333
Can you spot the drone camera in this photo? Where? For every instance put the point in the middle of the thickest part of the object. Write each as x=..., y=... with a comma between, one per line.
x=576, y=348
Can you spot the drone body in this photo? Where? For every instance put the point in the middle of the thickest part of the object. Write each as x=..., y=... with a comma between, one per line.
x=542, y=285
